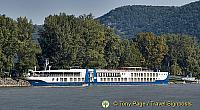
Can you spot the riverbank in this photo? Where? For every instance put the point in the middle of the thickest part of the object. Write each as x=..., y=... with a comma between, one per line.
x=197, y=81
x=8, y=82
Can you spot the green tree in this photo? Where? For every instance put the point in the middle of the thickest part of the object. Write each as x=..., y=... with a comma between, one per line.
x=27, y=49
x=17, y=50
x=185, y=51
x=153, y=49
x=77, y=41
x=175, y=69
x=131, y=55
x=112, y=49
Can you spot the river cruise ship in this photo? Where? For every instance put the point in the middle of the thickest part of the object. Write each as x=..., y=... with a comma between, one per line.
x=87, y=77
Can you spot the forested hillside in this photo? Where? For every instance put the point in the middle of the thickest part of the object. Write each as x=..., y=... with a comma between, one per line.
x=131, y=20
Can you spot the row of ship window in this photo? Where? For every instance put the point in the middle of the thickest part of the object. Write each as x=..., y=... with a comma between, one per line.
x=106, y=79
x=68, y=79
x=77, y=74
x=144, y=75
x=109, y=74
x=132, y=74
x=128, y=79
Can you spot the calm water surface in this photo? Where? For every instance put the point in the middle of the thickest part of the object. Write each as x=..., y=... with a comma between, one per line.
x=90, y=98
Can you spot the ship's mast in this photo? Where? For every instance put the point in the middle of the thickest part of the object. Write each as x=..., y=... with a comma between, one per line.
x=46, y=64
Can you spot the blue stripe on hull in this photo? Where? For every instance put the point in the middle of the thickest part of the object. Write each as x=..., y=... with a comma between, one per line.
x=131, y=83
x=42, y=83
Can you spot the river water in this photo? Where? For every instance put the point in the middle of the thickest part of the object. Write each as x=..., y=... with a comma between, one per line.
x=90, y=98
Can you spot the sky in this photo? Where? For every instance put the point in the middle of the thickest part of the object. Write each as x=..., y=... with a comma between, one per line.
x=37, y=10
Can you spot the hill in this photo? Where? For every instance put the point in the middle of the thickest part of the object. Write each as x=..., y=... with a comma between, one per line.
x=130, y=20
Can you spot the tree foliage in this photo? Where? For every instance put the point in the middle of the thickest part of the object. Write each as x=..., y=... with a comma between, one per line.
x=17, y=50
x=82, y=41
x=153, y=49
x=184, y=53
x=131, y=56
x=79, y=41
